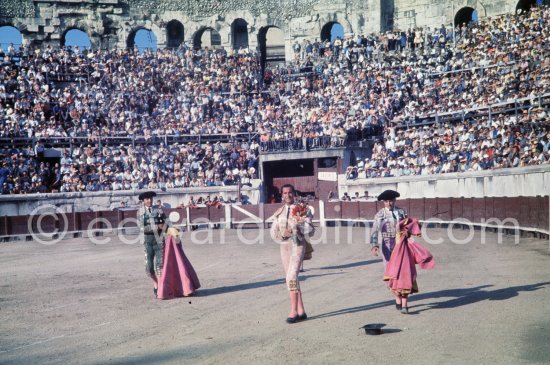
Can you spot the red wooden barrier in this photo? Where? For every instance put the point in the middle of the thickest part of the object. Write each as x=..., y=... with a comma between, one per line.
x=18, y=225
x=238, y=216
x=468, y=209
x=531, y=220
x=512, y=208
x=269, y=210
x=46, y=223
x=444, y=209
x=523, y=210
x=430, y=208
x=199, y=215
x=457, y=208
x=350, y=210
x=333, y=210
x=3, y=226
x=416, y=208
x=181, y=215
x=71, y=224
x=528, y=211
x=403, y=204
x=367, y=210
x=216, y=215
x=84, y=220
x=544, y=213
x=489, y=208
x=315, y=205
x=129, y=218
x=113, y=217
x=499, y=208
x=478, y=209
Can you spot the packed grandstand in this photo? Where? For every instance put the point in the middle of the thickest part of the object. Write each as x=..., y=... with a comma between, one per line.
x=433, y=100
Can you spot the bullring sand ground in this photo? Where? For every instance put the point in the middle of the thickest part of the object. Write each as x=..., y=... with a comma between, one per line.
x=76, y=302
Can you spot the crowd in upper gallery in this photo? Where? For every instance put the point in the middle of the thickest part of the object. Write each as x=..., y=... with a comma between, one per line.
x=396, y=88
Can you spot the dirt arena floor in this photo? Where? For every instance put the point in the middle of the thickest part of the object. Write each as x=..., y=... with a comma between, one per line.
x=79, y=302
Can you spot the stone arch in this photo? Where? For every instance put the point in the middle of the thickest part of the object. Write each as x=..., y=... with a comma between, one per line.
x=131, y=40
x=334, y=18
x=465, y=15
x=76, y=38
x=77, y=22
x=10, y=34
x=327, y=30
x=213, y=41
x=13, y=22
x=175, y=33
x=523, y=6
x=271, y=42
x=479, y=6
x=239, y=34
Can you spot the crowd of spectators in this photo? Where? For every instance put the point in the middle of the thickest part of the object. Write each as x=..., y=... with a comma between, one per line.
x=505, y=141
x=492, y=61
x=350, y=89
x=128, y=93
x=125, y=167
x=215, y=202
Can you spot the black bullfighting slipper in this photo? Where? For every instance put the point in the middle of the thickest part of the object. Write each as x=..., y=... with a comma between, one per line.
x=292, y=319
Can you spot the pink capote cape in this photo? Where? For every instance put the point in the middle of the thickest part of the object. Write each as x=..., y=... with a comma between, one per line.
x=401, y=270
x=178, y=277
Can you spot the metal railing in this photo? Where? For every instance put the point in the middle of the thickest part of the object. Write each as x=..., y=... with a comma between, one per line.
x=471, y=69
x=513, y=106
x=303, y=144
x=292, y=144
x=100, y=141
x=68, y=76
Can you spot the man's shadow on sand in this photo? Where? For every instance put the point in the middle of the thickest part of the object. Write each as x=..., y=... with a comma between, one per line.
x=350, y=265
x=260, y=284
x=254, y=285
x=460, y=297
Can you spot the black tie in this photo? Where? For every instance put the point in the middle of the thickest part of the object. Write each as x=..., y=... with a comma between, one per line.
x=287, y=214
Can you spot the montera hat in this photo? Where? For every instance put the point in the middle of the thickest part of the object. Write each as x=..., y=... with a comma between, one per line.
x=388, y=195
x=147, y=194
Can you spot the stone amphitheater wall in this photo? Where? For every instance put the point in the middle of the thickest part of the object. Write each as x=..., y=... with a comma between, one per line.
x=109, y=23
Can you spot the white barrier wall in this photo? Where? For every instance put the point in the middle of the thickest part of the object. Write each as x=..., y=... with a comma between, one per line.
x=12, y=205
x=526, y=181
